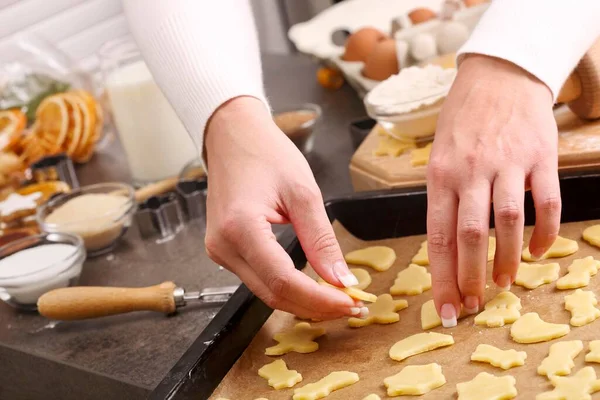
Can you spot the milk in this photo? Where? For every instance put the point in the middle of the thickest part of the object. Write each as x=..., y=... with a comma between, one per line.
x=155, y=141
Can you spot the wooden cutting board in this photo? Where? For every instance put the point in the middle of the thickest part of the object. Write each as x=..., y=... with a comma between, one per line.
x=578, y=149
x=365, y=350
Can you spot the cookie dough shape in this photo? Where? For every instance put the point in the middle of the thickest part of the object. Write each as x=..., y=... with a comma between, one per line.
x=504, y=359
x=322, y=388
x=382, y=312
x=560, y=358
x=372, y=397
x=577, y=387
x=363, y=277
x=530, y=328
x=278, y=375
x=415, y=380
x=591, y=234
x=419, y=343
x=353, y=292
x=531, y=276
x=411, y=281
x=582, y=305
x=422, y=257
x=389, y=146
x=561, y=247
x=429, y=316
x=594, y=354
x=503, y=309
x=579, y=273
x=299, y=339
x=420, y=157
x=487, y=387
x=380, y=258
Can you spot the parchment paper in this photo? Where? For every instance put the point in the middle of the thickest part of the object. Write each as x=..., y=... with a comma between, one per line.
x=365, y=350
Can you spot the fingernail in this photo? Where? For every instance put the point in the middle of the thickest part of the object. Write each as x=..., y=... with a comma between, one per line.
x=503, y=281
x=364, y=312
x=537, y=253
x=340, y=270
x=355, y=310
x=448, y=316
x=471, y=305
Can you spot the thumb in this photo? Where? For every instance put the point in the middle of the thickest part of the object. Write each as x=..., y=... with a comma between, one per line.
x=306, y=212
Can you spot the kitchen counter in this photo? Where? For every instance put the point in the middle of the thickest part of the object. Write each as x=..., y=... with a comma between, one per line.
x=125, y=357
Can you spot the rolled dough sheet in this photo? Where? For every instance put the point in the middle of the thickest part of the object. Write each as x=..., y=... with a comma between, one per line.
x=365, y=350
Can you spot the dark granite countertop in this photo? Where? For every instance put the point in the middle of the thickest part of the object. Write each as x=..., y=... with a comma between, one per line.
x=127, y=356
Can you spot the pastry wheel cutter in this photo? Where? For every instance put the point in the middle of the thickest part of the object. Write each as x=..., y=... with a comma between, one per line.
x=83, y=302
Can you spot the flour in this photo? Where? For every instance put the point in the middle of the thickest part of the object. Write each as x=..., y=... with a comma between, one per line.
x=16, y=202
x=411, y=89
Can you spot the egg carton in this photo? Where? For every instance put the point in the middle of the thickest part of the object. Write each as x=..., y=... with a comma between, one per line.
x=405, y=38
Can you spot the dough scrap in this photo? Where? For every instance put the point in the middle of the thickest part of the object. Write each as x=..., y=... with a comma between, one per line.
x=420, y=157
x=531, y=276
x=300, y=339
x=577, y=387
x=382, y=312
x=322, y=388
x=580, y=272
x=591, y=234
x=504, y=359
x=487, y=387
x=582, y=305
x=422, y=257
x=411, y=281
x=530, y=328
x=415, y=380
x=372, y=397
x=363, y=277
x=429, y=316
x=419, y=343
x=278, y=375
x=560, y=358
x=561, y=247
x=502, y=309
x=380, y=258
x=594, y=354
x=389, y=146
x=353, y=292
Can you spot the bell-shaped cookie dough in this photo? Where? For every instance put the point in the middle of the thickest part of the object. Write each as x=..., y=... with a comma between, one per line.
x=487, y=387
x=576, y=387
x=530, y=328
x=582, y=305
x=382, y=312
x=380, y=258
x=415, y=380
x=300, y=339
x=579, y=273
x=531, y=276
x=278, y=375
x=560, y=358
x=322, y=388
x=591, y=234
x=504, y=359
x=411, y=281
x=561, y=247
x=419, y=343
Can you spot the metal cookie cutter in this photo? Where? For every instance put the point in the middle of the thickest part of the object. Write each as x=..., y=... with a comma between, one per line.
x=160, y=215
x=191, y=194
x=58, y=167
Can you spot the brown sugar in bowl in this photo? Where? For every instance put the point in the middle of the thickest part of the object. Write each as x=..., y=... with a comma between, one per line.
x=360, y=44
x=382, y=62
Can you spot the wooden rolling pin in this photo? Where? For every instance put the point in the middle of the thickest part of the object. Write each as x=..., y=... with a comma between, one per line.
x=75, y=303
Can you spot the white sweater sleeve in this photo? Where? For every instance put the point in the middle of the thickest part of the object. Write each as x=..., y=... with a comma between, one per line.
x=201, y=53
x=547, y=38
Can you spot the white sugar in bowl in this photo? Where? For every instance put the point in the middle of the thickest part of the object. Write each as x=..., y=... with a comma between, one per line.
x=34, y=265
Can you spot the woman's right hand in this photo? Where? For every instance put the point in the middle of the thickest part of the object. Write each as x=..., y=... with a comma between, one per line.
x=257, y=178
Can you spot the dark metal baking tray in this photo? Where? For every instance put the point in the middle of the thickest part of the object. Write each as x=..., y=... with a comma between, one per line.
x=368, y=216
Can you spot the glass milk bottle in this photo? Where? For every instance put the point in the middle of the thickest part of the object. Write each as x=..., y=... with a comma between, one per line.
x=154, y=139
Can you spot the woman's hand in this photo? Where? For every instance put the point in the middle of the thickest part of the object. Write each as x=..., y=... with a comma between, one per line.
x=496, y=137
x=259, y=177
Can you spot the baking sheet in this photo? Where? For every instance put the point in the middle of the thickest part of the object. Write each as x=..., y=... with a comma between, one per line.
x=365, y=350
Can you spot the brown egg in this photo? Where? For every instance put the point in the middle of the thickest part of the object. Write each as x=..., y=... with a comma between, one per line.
x=420, y=15
x=382, y=62
x=361, y=42
x=472, y=3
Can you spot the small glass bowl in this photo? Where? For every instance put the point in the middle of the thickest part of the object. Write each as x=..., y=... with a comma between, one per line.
x=100, y=233
x=299, y=129
x=23, y=290
x=419, y=124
